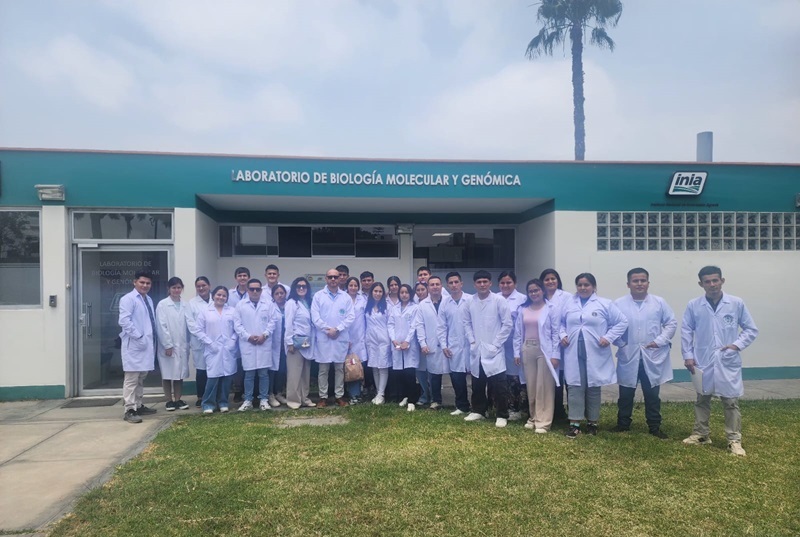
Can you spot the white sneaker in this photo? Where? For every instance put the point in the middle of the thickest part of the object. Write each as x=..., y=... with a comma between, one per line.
x=474, y=416
x=223, y=409
x=434, y=406
x=404, y=402
x=412, y=408
x=736, y=449
x=292, y=405
x=309, y=403
x=696, y=440
x=529, y=424
x=247, y=405
x=378, y=400
x=514, y=416
x=264, y=405
x=539, y=430
x=281, y=399
x=457, y=412
x=273, y=402
x=501, y=422
x=208, y=411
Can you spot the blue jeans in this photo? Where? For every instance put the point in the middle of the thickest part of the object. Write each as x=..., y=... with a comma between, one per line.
x=425, y=396
x=263, y=383
x=436, y=388
x=353, y=389
x=216, y=393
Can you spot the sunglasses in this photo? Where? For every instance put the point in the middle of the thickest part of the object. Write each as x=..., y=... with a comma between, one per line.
x=255, y=289
x=301, y=286
x=332, y=277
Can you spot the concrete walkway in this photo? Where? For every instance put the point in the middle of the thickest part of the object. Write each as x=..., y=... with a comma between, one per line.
x=50, y=456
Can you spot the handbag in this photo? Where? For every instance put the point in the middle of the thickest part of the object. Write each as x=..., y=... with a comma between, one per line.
x=301, y=342
x=353, y=369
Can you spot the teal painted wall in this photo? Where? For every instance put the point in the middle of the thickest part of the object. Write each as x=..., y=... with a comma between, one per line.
x=106, y=179
x=18, y=393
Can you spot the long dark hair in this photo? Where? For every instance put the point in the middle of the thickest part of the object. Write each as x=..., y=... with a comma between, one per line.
x=293, y=291
x=381, y=304
x=538, y=283
x=547, y=272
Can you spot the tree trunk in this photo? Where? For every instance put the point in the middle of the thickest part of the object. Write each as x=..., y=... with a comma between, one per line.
x=576, y=36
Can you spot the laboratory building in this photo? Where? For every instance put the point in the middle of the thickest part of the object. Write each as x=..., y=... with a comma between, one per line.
x=76, y=225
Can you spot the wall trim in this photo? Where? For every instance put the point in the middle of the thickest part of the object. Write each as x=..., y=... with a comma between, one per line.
x=18, y=393
x=750, y=373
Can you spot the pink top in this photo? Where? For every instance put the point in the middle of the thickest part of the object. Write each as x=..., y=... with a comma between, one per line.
x=530, y=320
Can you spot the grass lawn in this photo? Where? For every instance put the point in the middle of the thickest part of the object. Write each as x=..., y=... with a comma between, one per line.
x=391, y=472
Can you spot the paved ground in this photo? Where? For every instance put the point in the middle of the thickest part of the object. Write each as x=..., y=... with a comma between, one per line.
x=50, y=456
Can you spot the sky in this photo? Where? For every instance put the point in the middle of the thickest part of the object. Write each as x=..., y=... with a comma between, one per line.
x=427, y=79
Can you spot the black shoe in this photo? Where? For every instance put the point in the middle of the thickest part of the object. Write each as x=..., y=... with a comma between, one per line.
x=658, y=433
x=198, y=403
x=237, y=397
x=573, y=432
x=180, y=403
x=592, y=429
x=170, y=406
x=620, y=429
x=144, y=411
x=131, y=416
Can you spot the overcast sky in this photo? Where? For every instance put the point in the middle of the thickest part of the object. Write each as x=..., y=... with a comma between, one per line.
x=403, y=78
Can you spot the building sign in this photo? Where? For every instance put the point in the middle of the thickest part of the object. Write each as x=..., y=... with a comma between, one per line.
x=378, y=178
x=687, y=184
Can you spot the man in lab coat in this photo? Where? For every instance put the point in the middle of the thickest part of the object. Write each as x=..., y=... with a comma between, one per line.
x=427, y=334
x=453, y=340
x=716, y=328
x=235, y=295
x=272, y=275
x=332, y=313
x=138, y=322
x=487, y=324
x=643, y=353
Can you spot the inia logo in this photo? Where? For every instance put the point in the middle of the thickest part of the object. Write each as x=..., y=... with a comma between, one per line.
x=687, y=183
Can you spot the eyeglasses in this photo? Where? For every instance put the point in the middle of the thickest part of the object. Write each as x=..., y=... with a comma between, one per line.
x=332, y=277
x=301, y=286
x=255, y=289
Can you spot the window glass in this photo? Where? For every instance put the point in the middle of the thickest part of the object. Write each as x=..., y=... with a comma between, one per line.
x=333, y=241
x=377, y=241
x=20, y=265
x=250, y=240
x=461, y=248
x=294, y=241
x=122, y=226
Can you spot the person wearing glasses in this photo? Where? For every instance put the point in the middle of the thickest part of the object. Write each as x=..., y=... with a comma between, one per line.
x=254, y=323
x=332, y=314
x=298, y=339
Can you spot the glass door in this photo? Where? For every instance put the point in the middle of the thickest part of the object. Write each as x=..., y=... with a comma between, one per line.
x=105, y=275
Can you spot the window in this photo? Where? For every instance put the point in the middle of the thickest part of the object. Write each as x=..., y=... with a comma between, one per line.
x=116, y=226
x=728, y=231
x=465, y=248
x=20, y=259
x=308, y=241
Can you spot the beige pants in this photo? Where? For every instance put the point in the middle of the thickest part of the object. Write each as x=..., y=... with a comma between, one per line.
x=733, y=418
x=298, y=376
x=133, y=389
x=540, y=385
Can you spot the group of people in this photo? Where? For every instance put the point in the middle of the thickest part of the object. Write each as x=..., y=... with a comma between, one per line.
x=260, y=340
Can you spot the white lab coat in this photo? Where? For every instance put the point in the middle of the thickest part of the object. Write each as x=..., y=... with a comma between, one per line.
x=599, y=317
x=256, y=319
x=559, y=299
x=377, y=340
x=267, y=292
x=515, y=300
x=172, y=324
x=402, y=327
x=548, y=337
x=138, y=353
x=487, y=324
x=276, y=339
x=358, y=330
x=331, y=311
x=704, y=331
x=197, y=305
x=427, y=329
x=217, y=332
x=653, y=321
x=415, y=298
x=451, y=332
x=297, y=318
x=234, y=298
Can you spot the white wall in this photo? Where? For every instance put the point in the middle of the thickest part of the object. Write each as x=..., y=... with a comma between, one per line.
x=765, y=280
x=35, y=341
x=536, y=248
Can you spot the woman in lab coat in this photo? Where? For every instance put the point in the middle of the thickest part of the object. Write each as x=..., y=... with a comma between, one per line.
x=392, y=289
x=588, y=326
x=555, y=294
x=536, y=349
x=421, y=292
x=405, y=349
x=197, y=305
x=377, y=340
x=173, y=317
x=358, y=332
x=298, y=340
x=278, y=371
x=215, y=330
x=507, y=281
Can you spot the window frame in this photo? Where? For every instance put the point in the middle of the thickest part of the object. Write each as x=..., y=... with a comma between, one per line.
x=40, y=305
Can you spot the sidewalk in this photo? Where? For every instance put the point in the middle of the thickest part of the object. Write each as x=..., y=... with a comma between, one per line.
x=50, y=456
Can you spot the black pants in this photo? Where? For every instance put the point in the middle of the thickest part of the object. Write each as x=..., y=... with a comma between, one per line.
x=459, y=382
x=652, y=403
x=407, y=380
x=200, y=380
x=499, y=386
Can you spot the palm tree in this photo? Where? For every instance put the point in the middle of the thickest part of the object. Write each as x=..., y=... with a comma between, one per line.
x=562, y=18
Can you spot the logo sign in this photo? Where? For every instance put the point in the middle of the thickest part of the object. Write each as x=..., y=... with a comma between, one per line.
x=687, y=183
